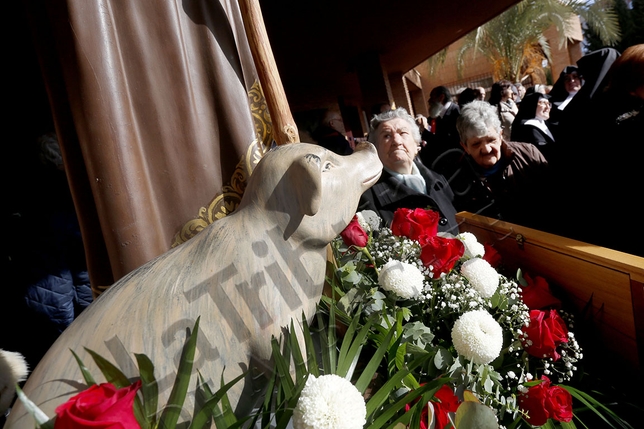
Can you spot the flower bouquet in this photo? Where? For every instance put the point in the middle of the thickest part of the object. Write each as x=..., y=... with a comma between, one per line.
x=419, y=331
x=507, y=364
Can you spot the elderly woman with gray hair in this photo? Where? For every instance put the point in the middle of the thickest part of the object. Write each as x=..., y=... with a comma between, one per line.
x=405, y=182
x=496, y=178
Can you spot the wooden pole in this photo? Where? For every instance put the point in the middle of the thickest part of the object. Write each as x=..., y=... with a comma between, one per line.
x=284, y=128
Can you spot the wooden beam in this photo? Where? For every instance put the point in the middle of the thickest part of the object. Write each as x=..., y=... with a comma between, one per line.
x=284, y=128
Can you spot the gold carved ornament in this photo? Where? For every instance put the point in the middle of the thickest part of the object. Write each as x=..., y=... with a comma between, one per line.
x=228, y=200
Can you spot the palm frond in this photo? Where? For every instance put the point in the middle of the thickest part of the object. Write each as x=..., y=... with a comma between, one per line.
x=604, y=23
x=512, y=40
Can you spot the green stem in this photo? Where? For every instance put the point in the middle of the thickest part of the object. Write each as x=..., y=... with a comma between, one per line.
x=365, y=251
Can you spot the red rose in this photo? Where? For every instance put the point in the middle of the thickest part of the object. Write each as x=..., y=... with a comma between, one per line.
x=354, y=235
x=559, y=404
x=534, y=402
x=101, y=406
x=423, y=415
x=415, y=223
x=448, y=403
x=543, y=402
x=441, y=253
x=544, y=334
x=536, y=295
x=491, y=255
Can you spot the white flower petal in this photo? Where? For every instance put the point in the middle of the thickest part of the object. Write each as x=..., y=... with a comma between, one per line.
x=477, y=336
x=329, y=402
x=481, y=275
x=473, y=248
x=401, y=278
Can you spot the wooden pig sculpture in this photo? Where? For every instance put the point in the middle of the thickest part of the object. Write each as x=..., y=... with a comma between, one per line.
x=247, y=275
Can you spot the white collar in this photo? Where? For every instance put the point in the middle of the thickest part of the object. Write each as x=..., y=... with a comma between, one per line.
x=444, y=109
x=540, y=123
x=414, y=180
x=567, y=100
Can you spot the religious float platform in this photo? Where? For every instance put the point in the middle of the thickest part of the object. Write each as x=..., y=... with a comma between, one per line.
x=604, y=286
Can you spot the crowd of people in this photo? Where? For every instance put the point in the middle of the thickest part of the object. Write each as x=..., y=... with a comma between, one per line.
x=563, y=161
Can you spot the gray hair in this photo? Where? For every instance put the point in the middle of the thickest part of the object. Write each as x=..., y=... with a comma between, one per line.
x=389, y=115
x=475, y=119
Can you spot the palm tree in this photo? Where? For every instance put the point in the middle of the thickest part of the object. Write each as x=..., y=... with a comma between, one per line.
x=514, y=43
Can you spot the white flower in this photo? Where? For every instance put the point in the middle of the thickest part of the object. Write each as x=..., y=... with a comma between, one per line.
x=329, y=402
x=473, y=248
x=368, y=220
x=477, y=336
x=482, y=276
x=401, y=278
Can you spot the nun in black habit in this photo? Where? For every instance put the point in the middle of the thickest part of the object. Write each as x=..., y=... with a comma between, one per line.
x=532, y=125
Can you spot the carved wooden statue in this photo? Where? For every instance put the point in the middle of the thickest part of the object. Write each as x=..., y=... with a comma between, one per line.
x=247, y=275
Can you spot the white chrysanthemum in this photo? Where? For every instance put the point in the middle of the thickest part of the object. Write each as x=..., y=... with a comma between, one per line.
x=401, y=278
x=477, y=336
x=329, y=402
x=473, y=248
x=368, y=220
x=481, y=275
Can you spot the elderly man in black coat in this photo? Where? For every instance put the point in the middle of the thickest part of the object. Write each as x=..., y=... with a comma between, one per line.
x=405, y=182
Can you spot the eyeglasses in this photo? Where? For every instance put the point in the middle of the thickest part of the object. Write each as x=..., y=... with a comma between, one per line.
x=544, y=103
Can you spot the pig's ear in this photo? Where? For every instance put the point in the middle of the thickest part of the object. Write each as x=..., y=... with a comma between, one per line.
x=307, y=178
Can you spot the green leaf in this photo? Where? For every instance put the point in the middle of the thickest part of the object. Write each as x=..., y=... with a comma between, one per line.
x=382, y=394
x=172, y=410
x=287, y=407
x=328, y=339
x=420, y=334
x=515, y=423
x=443, y=358
x=268, y=401
x=149, y=388
x=89, y=379
x=296, y=353
x=374, y=362
x=49, y=424
x=202, y=394
x=41, y=418
x=282, y=369
x=222, y=419
x=568, y=425
x=548, y=425
x=473, y=415
x=597, y=407
x=406, y=313
x=352, y=277
x=110, y=371
x=351, y=347
x=311, y=353
x=427, y=391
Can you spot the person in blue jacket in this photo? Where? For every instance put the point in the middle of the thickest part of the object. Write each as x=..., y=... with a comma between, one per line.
x=47, y=280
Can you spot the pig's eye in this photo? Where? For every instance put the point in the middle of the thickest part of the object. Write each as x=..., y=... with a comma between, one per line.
x=327, y=166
